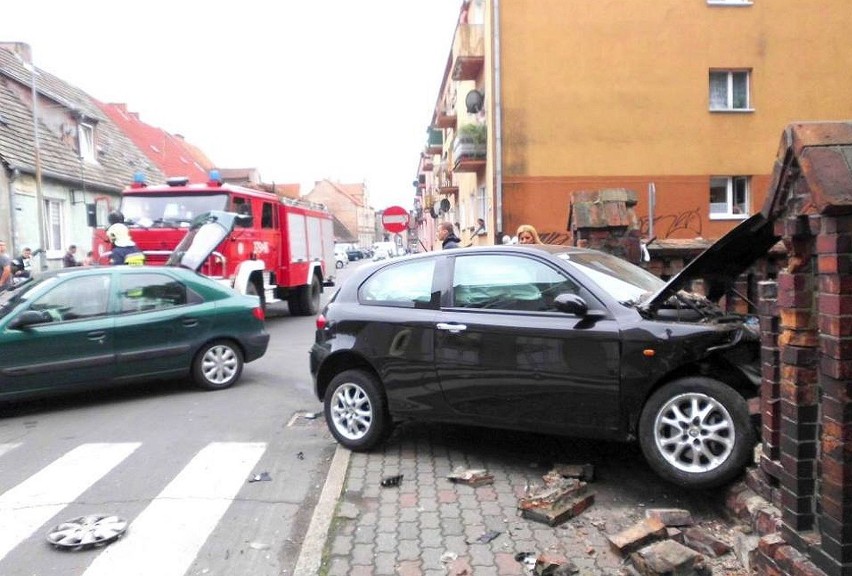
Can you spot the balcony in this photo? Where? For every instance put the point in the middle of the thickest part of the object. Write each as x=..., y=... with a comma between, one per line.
x=434, y=141
x=445, y=117
x=470, y=148
x=468, y=52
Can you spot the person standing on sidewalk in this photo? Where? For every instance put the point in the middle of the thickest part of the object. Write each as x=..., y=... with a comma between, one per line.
x=70, y=260
x=5, y=267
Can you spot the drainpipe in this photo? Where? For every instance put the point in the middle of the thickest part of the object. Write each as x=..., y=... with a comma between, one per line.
x=498, y=125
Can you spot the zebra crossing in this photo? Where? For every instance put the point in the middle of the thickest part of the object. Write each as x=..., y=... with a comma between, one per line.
x=174, y=525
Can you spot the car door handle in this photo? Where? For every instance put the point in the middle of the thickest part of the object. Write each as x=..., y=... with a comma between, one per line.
x=97, y=335
x=190, y=322
x=454, y=328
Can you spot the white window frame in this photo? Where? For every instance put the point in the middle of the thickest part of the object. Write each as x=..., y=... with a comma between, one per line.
x=54, y=227
x=729, y=209
x=86, y=141
x=729, y=2
x=729, y=104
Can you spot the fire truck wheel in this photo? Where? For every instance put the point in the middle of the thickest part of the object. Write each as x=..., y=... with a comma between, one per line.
x=253, y=289
x=306, y=300
x=217, y=365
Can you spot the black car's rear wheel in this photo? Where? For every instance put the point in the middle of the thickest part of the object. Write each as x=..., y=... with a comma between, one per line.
x=355, y=410
x=696, y=432
x=217, y=365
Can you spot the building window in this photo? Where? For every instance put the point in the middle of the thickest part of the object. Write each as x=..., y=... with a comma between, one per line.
x=53, y=227
x=729, y=90
x=729, y=197
x=86, y=135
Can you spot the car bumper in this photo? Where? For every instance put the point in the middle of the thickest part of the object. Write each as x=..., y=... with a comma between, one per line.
x=255, y=346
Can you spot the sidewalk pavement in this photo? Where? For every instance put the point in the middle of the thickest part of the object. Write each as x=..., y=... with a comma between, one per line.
x=427, y=525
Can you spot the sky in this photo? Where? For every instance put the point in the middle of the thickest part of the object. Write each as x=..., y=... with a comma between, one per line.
x=302, y=90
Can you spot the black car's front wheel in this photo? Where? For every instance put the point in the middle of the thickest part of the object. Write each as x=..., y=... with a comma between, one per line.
x=355, y=410
x=217, y=365
x=696, y=432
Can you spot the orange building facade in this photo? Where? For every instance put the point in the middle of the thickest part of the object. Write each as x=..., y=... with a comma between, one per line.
x=681, y=101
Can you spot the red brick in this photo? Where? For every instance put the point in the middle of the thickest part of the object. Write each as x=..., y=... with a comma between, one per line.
x=800, y=413
x=802, y=392
x=787, y=282
x=796, y=298
x=838, y=348
x=799, y=355
x=839, y=326
x=640, y=534
x=833, y=243
x=804, y=337
x=797, y=318
x=835, y=409
x=837, y=389
x=840, y=369
x=835, y=304
x=835, y=283
x=835, y=225
x=834, y=264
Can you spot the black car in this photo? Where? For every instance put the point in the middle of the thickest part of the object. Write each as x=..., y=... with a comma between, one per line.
x=551, y=339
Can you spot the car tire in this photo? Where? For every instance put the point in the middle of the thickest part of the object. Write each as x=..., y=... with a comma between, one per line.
x=356, y=411
x=218, y=365
x=675, y=430
x=339, y=264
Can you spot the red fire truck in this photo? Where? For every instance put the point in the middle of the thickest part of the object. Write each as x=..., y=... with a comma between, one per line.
x=281, y=250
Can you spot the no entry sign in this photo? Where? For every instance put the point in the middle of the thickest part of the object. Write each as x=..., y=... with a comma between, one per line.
x=395, y=219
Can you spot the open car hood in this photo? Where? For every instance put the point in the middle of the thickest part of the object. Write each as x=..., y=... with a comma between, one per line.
x=721, y=263
x=206, y=232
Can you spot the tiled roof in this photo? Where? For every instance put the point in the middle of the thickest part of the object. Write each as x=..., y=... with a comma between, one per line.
x=118, y=158
x=169, y=153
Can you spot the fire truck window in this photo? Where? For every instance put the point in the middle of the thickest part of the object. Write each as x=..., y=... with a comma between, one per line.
x=242, y=206
x=267, y=218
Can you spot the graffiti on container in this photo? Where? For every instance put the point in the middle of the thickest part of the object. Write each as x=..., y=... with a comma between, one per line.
x=667, y=225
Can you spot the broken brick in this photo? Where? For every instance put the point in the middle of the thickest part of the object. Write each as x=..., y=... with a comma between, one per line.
x=667, y=558
x=474, y=478
x=704, y=542
x=640, y=534
x=671, y=516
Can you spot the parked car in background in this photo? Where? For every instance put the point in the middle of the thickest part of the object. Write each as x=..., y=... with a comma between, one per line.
x=550, y=339
x=90, y=327
x=340, y=259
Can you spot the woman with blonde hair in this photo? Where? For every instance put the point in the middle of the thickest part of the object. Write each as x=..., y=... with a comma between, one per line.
x=527, y=234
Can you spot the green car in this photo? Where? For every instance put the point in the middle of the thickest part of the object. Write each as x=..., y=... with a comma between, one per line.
x=88, y=327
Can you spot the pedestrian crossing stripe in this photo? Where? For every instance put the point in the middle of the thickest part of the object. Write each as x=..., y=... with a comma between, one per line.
x=176, y=523
x=30, y=504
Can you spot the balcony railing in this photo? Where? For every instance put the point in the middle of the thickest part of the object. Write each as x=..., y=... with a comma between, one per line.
x=468, y=52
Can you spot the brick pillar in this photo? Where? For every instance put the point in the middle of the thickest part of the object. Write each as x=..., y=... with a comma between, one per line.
x=770, y=390
x=798, y=352
x=834, y=251
x=606, y=220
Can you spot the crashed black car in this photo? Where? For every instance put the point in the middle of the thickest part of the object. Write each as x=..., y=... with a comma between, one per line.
x=550, y=339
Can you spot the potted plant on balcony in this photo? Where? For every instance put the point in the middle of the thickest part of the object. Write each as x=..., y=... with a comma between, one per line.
x=470, y=141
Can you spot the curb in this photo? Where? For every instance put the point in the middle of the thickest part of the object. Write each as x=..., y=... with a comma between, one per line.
x=310, y=554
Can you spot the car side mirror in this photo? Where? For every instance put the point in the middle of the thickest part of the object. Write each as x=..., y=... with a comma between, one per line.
x=573, y=304
x=28, y=318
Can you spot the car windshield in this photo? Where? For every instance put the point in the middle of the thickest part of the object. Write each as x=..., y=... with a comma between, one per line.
x=624, y=281
x=10, y=299
x=172, y=210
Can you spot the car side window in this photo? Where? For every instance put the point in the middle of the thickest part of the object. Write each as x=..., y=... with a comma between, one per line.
x=145, y=292
x=406, y=285
x=75, y=299
x=508, y=282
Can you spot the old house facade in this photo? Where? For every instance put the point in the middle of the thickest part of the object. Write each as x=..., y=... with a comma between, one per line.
x=54, y=174
x=350, y=205
x=679, y=102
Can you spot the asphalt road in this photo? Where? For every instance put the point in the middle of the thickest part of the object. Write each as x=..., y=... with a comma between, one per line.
x=175, y=462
